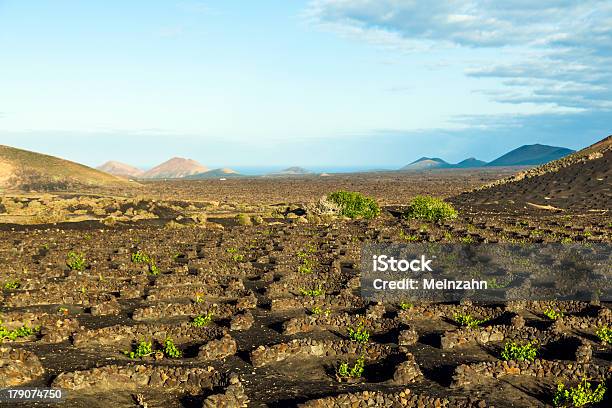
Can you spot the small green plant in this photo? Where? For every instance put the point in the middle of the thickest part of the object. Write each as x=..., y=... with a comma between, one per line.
x=199, y=297
x=467, y=320
x=406, y=305
x=519, y=352
x=578, y=396
x=466, y=240
x=76, y=261
x=305, y=268
x=355, y=205
x=145, y=259
x=306, y=264
x=170, y=349
x=313, y=292
x=566, y=241
x=408, y=237
x=552, y=314
x=153, y=269
x=430, y=209
x=244, y=219
x=494, y=284
x=359, y=334
x=202, y=320
x=605, y=334
x=141, y=258
x=143, y=349
x=11, y=285
x=317, y=310
x=236, y=257
x=345, y=372
x=63, y=310
x=12, y=335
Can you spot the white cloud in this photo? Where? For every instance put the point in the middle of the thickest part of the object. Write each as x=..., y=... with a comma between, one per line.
x=557, y=52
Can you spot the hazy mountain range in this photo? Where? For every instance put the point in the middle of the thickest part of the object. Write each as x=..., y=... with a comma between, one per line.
x=527, y=155
x=177, y=167
x=22, y=169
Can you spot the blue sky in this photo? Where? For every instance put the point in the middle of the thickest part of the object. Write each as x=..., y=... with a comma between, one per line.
x=324, y=83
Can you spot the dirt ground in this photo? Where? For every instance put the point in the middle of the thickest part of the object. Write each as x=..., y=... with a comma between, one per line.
x=95, y=274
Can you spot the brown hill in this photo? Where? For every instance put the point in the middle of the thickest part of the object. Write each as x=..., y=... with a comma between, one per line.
x=120, y=169
x=578, y=182
x=426, y=163
x=26, y=170
x=215, y=173
x=176, y=167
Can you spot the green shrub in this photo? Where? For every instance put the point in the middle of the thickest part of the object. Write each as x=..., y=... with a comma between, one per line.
x=143, y=349
x=360, y=334
x=313, y=292
x=345, y=371
x=409, y=237
x=236, y=257
x=243, y=219
x=317, y=310
x=12, y=335
x=305, y=268
x=494, y=284
x=143, y=258
x=430, y=209
x=552, y=314
x=467, y=320
x=355, y=205
x=605, y=334
x=153, y=269
x=406, y=305
x=466, y=240
x=170, y=349
x=202, y=320
x=75, y=261
x=519, y=352
x=10, y=285
x=305, y=263
x=578, y=396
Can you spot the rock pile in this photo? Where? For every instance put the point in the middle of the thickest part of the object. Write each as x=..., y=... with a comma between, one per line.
x=318, y=348
x=18, y=367
x=133, y=377
x=470, y=374
x=218, y=349
x=125, y=335
x=405, y=398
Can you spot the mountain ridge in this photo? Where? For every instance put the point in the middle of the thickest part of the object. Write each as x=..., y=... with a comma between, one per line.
x=526, y=155
x=530, y=155
x=27, y=170
x=176, y=167
x=578, y=181
x=120, y=169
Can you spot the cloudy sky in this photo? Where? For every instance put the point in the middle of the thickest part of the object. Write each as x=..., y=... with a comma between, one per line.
x=323, y=83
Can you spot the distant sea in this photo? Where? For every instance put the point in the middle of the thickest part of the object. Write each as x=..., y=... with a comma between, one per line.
x=259, y=171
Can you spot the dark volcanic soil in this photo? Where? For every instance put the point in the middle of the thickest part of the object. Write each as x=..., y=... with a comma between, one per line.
x=254, y=282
